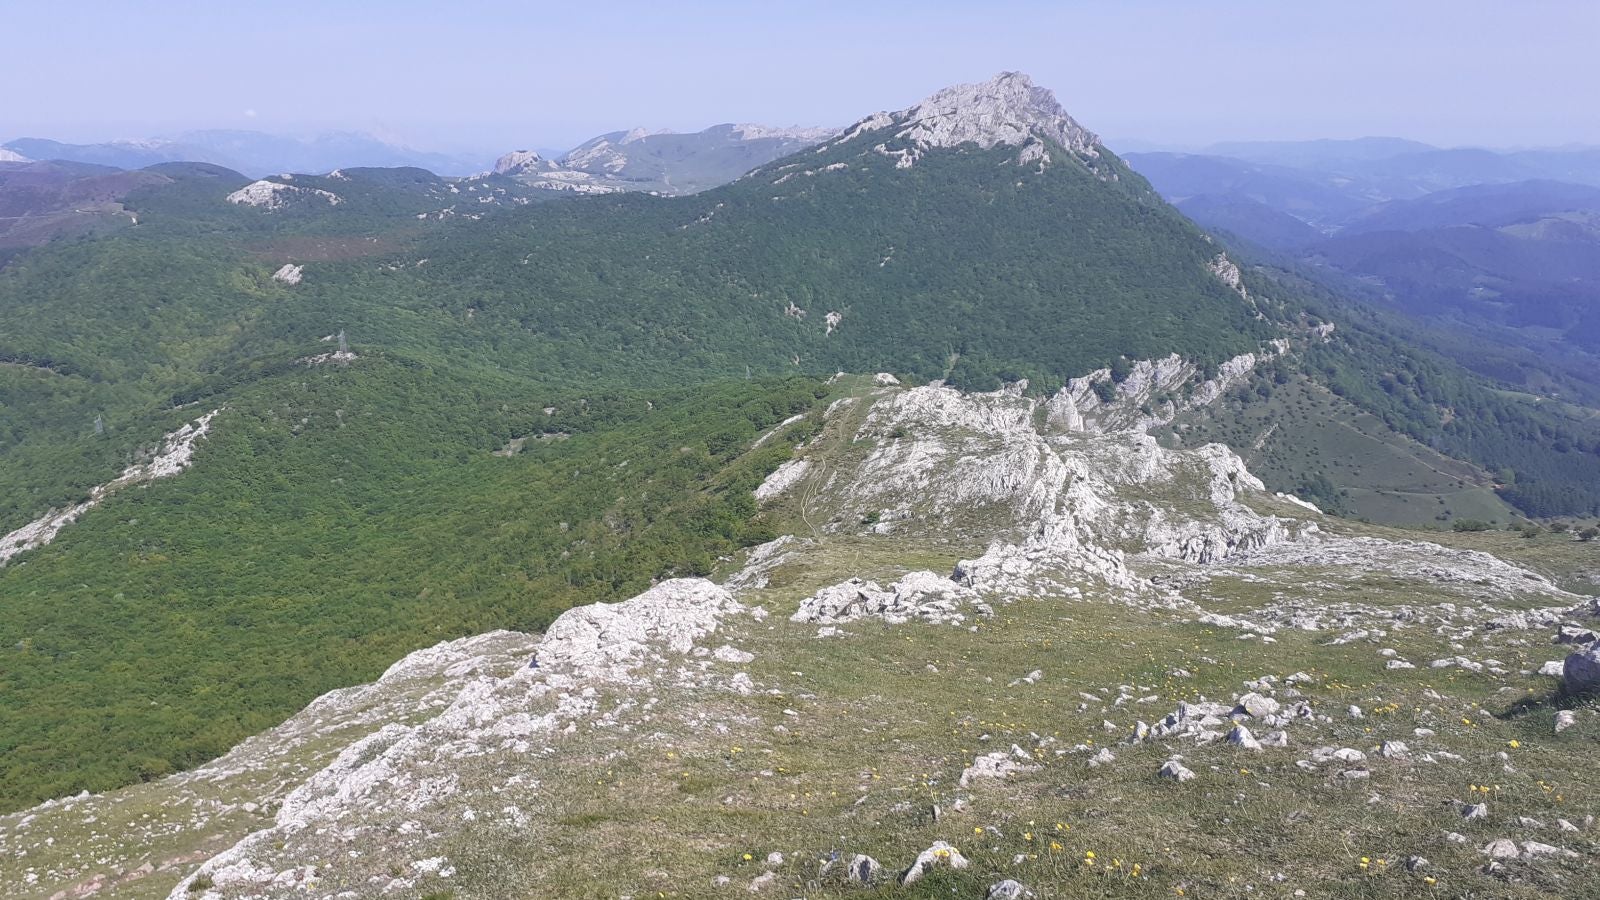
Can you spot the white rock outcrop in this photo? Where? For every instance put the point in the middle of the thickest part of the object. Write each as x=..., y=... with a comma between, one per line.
x=922, y=596
x=174, y=454
x=1058, y=505
x=400, y=771
x=1008, y=109
x=782, y=479
x=276, y=195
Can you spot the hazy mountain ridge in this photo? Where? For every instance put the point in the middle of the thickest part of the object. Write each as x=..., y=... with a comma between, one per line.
x=664, y=162
x=250, y=152
x=1487, y=251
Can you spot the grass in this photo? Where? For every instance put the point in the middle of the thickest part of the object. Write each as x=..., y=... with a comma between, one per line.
x=1303, y=431
x=670, y=814
x=872, y=730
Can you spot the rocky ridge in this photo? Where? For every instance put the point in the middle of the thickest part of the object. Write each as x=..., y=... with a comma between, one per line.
x=661, y=162
x=369, y=791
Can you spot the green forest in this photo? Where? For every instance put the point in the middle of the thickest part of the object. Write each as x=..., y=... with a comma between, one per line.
x=338, y=519
x=340, y=516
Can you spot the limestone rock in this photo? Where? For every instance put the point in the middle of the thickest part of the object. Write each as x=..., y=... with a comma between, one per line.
x=1240, y=736
x=1501, y=849
x=993, y=765
x=272, y=195
x=607, y=641
x=1258, y=706
x=918, y=595
x=782, y=479
x=1008, y=890
x=864, y=869
x=1005, y=110
x=1536, y=850
x=1176, y=771
x=937, y=854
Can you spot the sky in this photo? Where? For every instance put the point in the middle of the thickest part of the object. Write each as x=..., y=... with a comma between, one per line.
x=494, y=75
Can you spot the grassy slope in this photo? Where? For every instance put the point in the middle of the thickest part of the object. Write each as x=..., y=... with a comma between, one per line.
x=668, y=808
x=1302, y=431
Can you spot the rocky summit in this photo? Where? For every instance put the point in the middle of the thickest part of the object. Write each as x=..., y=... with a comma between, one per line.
x=1008, y=109
x=999, y=650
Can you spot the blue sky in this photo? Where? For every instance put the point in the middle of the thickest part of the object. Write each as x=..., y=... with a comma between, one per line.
x=486, y=74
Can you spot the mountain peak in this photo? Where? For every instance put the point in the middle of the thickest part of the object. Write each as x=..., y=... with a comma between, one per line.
x=520, y=162
x=1008, y=109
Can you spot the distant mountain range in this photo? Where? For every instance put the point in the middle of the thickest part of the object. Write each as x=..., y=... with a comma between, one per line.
x=638, y=160
x=1323, y=183
x=661, y=162
x=1498, y=254
x=250, y=152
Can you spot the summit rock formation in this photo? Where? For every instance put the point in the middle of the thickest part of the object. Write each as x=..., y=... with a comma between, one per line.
x=1008, y=109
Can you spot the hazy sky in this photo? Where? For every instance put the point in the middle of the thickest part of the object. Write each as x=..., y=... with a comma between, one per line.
x=496, y=75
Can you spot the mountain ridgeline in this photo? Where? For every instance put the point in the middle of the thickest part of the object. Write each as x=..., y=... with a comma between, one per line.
x=453, y=405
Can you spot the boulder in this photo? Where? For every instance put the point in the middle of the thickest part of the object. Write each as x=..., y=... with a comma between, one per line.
x=993, y=765
x=1008, y=890
x=1536, y=850
x=1501, y=849
x=1240, y=736
x=864, y=869
x=1580, y=674
x=938, y=854
x=1257, y=705
x=1575, y=634
x=1176, y=771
